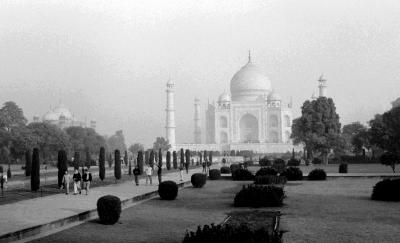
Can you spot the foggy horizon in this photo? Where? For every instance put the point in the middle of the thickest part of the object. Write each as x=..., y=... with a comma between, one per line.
x=110, y=61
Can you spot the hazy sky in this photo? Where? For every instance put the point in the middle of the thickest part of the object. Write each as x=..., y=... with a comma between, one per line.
x=110, y=60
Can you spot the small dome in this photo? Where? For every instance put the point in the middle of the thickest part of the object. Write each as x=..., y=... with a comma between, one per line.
x=274, y=96
x=57, y=113
x=249, y=83
x=224, y=97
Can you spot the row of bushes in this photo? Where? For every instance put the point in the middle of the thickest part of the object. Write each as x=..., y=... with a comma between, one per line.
x=259, y=196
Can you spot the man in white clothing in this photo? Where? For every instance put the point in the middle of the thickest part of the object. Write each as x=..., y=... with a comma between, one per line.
x=149, y=174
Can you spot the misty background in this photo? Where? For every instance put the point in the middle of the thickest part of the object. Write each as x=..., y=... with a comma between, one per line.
x=109, y=61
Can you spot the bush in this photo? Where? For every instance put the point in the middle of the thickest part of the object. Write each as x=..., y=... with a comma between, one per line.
x=242, y=175
x=266, y=171
x=168, y=190
x=259, y=196
x=109, y=209
x=317, y=161
x=234, y=167
x=269, y=179
x=387, y=190
x=214, y=174
x=225, y=170
x=317, y=175
x=279, y=165
x=343, y=168
x=292, y=174
x=228, y=234
x=293, y=162
x=265, y=162
x=198, y=180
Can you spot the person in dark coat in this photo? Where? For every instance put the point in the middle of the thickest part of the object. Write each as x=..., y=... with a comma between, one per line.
x=77, y=181
x=136, y=173
x=159, y=174
x=87, y=179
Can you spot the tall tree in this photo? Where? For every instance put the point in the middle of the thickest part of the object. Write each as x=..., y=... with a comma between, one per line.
x=62, y=165
x=102, y=165
x=85, y=138
x=140, y=161
x=318, y=128
x=117, y=165
x=182, y=157
x=161, y=143
x=168, y=160
x=28, y=163
x=151, y=159
x=116, y=141
x=11, y=116
x=135, y=148
x=35, y=175
x=126, y=158
x=355, y=137
x=175, y=160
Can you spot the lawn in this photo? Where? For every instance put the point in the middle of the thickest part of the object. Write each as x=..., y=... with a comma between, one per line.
x=336, y=210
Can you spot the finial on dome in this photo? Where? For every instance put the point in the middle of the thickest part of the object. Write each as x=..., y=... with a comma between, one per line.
x=249, y=56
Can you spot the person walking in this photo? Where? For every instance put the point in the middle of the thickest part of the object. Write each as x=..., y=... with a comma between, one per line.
x=204, y=167
x=77, y=181
x=136, y=173
x=159, y=174
x=65, y=182
x=149, y=174
x=87, y=179
x=3, y=181
x=181, y=172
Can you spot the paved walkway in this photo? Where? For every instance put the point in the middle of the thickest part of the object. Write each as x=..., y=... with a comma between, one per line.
x=38, y=211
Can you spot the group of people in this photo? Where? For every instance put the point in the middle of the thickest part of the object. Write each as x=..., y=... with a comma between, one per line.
x=81, y=182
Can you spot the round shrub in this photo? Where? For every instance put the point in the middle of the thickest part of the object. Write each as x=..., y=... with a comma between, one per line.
x=387, y=190
x=214, y=174
x=225, y=170
x=242, y=175
x=293, y=174
x=279, y=165
x=266, y=171
x=317, y=161
x=198, y=180
x=343, y=168
x=265, y=162
x=234, y=167
x=168, y=190
x=293, y=162
x=109, y=209
x=317, y=175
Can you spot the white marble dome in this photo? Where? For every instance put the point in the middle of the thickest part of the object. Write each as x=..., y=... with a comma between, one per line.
x=224, y=98
x=56, y=113
x=249, y=83
x=274, y=96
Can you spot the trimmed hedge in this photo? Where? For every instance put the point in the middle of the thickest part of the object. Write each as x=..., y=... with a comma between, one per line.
x=198, y=180
x=343, y=168
x=168, y=190
x=293, y=162
x=214, y=174
x=292, y=174
x=259, y=196
x=234, y=167
x=109, y=209
x=242, y=175
x=269, y=179
x=265, y=162
x=387, y=190
x=317, y=175
x=266, y=171
x=279, y=165
x=225, y=170
x=229, y=234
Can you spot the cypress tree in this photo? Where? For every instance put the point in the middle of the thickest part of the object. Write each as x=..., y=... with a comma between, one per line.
x=160, y=163
x=205, y=155
x=88, y=158
x=175, y=160
x=126, y=158
x=146, y=157
x=102, y=163
x=182, y=157
x=9, y=171
x=61, y=165
x=109, y=160
x=117, y=164
x=201, y=157
x=168, y=160
x=151, y=159
x=35, y=173
x=130, y=169
x=210, y=154
x=140, y=161
x=76, y=160
x=187, y=156
x=28, y=163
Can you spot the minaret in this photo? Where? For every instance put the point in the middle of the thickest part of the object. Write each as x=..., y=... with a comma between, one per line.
x=170, y=111
x=197, y=130
x=322, y=86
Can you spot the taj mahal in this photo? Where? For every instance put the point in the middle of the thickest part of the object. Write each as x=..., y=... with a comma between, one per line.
x=252, y=116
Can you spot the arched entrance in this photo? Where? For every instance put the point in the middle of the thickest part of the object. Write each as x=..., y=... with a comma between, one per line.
x=248, y=126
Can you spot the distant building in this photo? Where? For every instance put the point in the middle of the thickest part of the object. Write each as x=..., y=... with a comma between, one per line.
x=62, y=117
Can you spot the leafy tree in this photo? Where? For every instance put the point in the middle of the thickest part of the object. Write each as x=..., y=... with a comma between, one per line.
x=187, y=157
x=160, y=162
x=83, y=139
x=147, y=157
x=116, y=141
x=88, y=157
x=28, y=163
x=356, y=137
x=35, y=176
x=390, y=159
x=161, y=143
x=77, y=160
x=318, y=128
x=182, y=157
x=200, y=157
x=117, y=165
x=11, y=116
x=135, y=148
x=102, y=163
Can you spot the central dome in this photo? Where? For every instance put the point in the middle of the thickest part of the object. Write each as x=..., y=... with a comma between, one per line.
x=249, y=83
